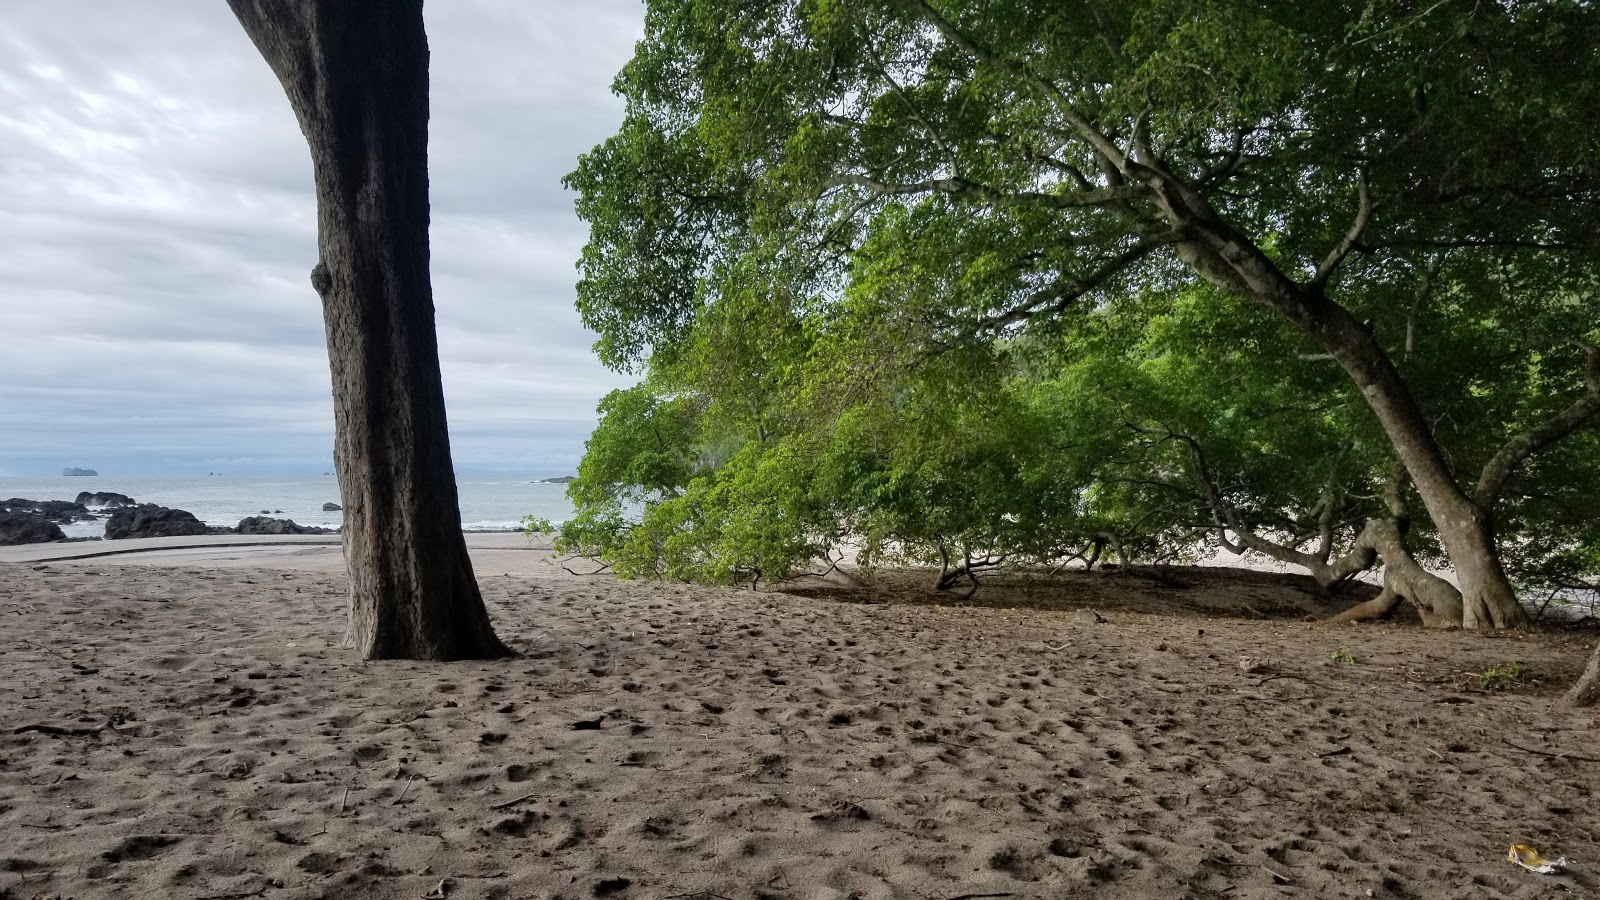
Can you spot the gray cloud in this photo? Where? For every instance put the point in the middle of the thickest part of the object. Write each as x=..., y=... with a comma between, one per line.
x=159, y=224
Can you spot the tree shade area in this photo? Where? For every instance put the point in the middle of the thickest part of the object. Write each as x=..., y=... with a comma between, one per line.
x=1010, y=283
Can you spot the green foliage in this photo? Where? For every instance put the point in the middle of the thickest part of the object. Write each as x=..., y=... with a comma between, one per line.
x=1342, y=656
x=1504, y=677
x=538, y=525
x=885, y=292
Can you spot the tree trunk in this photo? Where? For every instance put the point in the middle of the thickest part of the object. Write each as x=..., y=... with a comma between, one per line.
x=356, y=73
x=1227, y=259
x=1465, y=529
x=1586, y=692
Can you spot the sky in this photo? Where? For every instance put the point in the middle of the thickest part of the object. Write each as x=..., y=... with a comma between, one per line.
x=158, y=227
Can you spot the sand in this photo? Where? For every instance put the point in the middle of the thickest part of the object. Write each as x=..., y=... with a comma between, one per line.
x=189, y=724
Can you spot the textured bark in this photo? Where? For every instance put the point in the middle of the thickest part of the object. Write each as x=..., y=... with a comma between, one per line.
x=1436, y=600
x=356, y=74
x=1379, y=607
x=1586, y=692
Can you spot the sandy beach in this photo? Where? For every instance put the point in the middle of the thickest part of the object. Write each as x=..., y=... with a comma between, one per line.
x=187, y=723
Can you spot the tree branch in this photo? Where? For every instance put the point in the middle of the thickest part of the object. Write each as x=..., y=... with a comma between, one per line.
x=1352, y=238
x=966, y=187
x=1096, y=139
x=1066, y=291
x=1499, y=469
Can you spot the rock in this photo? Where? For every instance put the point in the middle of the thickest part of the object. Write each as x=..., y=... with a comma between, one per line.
x=1087, y=616
x=331, y=507
x=150, y=520
x=59, y=511
x=265, y=525
x=28, y=528
x=70, y=471
x=266, y=512
x=108, y=499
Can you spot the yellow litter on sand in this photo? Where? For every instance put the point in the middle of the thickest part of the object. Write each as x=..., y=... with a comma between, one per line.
x=1529, y=859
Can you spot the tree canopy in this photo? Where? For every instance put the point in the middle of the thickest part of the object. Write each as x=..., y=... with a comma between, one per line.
x=1022, y=281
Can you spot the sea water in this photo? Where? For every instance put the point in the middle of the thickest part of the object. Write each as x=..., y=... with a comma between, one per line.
x=496, y=503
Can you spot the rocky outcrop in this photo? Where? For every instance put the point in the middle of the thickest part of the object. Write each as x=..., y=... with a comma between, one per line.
x=62, y=512
x=563, y=479
x=149, y=520
x=70, y=471
x=108, y=499
x=28, y=528
x=331, y=507
x=265, y=525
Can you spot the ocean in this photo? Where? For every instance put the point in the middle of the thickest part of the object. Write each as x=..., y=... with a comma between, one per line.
x=487, y=504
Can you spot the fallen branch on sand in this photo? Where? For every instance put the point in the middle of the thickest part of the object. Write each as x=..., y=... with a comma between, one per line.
x=600, y=571
x=1549, y=754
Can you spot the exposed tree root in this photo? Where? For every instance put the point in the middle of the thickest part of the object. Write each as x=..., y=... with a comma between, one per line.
x=1379, y=607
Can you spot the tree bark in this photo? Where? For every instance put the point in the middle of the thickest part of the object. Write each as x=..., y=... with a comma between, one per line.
x=356, y=74
x=1586, y=692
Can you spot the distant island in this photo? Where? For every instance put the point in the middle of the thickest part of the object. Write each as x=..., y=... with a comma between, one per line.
x=564, y=479
x=70, y=471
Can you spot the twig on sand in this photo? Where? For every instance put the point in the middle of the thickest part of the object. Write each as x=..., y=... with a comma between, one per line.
x=63, y=657
x=403, y=791
x=1283, y=675
x=344, y=798
x=237, y=896
x=1549, y=754
x=510, y=803
x=977, y=896
x=440, y=890
x=43, y=728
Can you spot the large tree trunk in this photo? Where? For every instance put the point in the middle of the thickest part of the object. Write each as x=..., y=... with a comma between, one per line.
x=356, y=72
x=1227, y=259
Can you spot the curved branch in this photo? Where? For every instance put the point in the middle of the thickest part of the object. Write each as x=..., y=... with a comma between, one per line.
x=1499, y=469
x=1352, y=238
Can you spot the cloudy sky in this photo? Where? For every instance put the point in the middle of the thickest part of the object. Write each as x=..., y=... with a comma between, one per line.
x=157, y=225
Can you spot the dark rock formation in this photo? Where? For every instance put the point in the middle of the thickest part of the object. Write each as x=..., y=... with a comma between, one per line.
x=109, y=499
x=150, y=520
x=563, y=479
x=28, y=528
x=69, y=471
x=264, y=525
x=59, y=511
x=331, y=507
